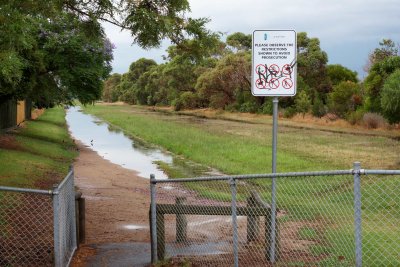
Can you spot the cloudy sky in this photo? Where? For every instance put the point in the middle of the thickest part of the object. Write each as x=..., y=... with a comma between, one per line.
x=348, y=29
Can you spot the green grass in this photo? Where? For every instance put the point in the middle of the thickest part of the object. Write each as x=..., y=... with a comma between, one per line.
x=40, y=154
x=238, y=147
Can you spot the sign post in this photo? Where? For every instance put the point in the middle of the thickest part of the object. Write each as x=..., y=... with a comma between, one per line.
x=274, y=74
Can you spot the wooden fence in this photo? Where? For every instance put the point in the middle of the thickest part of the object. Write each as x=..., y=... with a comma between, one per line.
x=14, y=112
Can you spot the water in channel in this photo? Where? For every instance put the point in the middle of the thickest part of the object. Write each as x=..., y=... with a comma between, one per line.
x=113, y=145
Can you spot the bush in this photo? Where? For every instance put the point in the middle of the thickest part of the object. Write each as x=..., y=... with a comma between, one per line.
x=318, y=109
x=267, y=107
x=356, y=117
x=373, y=120
x=302, y=103
x=128, y=97
x=250, y=107
x=189, y=100
x=331, y=117
x=289, y=112
x=345, y=98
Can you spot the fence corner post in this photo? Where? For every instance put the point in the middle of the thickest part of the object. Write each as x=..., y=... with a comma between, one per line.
x=357, y=213
x=56, y=227
x=232, y=183
x=153, y=224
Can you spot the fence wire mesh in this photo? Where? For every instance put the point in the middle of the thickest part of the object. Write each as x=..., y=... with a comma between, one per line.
x=65, y=224
x=198, y=224
x=38, y=228
x=315, y=221
x=26, y=229
x=381, y=220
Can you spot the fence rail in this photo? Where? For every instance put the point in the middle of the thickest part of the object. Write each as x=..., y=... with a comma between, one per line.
x=37, y=227
x=329, y=218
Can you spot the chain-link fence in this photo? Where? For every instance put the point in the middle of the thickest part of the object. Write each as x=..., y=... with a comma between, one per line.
x=37, y=227
x=333, y=218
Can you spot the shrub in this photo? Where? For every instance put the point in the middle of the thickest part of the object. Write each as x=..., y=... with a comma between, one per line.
x=128, y=97
x=303, y=103
x=345, y=98
x=355, y=117
x=373, y=120
x=331, y=117
x=289, y=112
x=250, y=107
x=318, y=109
x=267, y=107
x=189, y=100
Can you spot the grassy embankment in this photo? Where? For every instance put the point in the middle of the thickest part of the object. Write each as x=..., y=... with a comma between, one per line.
x=38, y=154
x=241, y=144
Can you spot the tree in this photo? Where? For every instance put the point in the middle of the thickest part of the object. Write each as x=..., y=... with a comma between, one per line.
x=55, y=51
x=303, y=103
x=390, y=99
x=376, y=78
x=345, y=98
x=311, y=62
x=219, y=86
x=239, y=41
x=109, y=94
x=337, y=73
x=387, y=49
x=137, y=68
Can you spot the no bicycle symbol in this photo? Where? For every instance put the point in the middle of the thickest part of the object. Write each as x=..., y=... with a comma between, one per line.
x=286, y=70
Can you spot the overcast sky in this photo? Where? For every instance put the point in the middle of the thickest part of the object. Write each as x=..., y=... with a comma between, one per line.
x=348, y=29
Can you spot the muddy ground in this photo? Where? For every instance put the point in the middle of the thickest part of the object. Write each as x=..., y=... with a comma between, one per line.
x=117, y=202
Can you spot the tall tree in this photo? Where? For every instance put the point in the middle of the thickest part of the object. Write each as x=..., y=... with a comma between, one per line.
x=338, y=73
x=390, y=100
x=387, y=48
x=56, y=50
x=239, y=41
x=376, y=78
x=311, y=62
x=110, y=84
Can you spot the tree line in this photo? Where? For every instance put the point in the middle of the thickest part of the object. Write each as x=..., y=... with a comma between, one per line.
x=216, y=74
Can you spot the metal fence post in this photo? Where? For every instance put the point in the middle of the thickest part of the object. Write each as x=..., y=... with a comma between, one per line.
x=272, y=251
x=232, y=183
x=153, y=223
x=72, y=208
x=56, y=227
x=357, y=213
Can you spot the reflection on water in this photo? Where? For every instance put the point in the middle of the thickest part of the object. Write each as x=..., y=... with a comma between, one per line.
x=113, y=145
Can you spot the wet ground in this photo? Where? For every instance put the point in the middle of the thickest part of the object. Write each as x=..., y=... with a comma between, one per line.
x=113, y=145
x=109, y=172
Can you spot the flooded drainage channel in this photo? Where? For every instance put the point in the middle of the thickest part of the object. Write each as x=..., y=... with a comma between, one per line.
x=113, y=145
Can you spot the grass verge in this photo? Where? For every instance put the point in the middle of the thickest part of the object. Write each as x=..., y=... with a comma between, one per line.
x=236, y=147
x=38, y=154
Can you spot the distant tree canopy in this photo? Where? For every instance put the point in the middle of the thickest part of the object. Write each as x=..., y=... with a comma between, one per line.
x=55, y=51
x=212, y=73
x=390, y=98
x=337, y=73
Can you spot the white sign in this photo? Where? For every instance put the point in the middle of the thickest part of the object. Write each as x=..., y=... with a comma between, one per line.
x=274, y=63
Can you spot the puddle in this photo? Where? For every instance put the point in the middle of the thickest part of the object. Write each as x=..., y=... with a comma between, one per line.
x=113, y=145
x=134, y=227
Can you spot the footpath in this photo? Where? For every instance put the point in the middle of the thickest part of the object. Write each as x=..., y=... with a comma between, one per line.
x=117, y=205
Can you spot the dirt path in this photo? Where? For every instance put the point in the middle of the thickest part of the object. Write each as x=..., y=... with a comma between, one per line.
x=117, y=203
